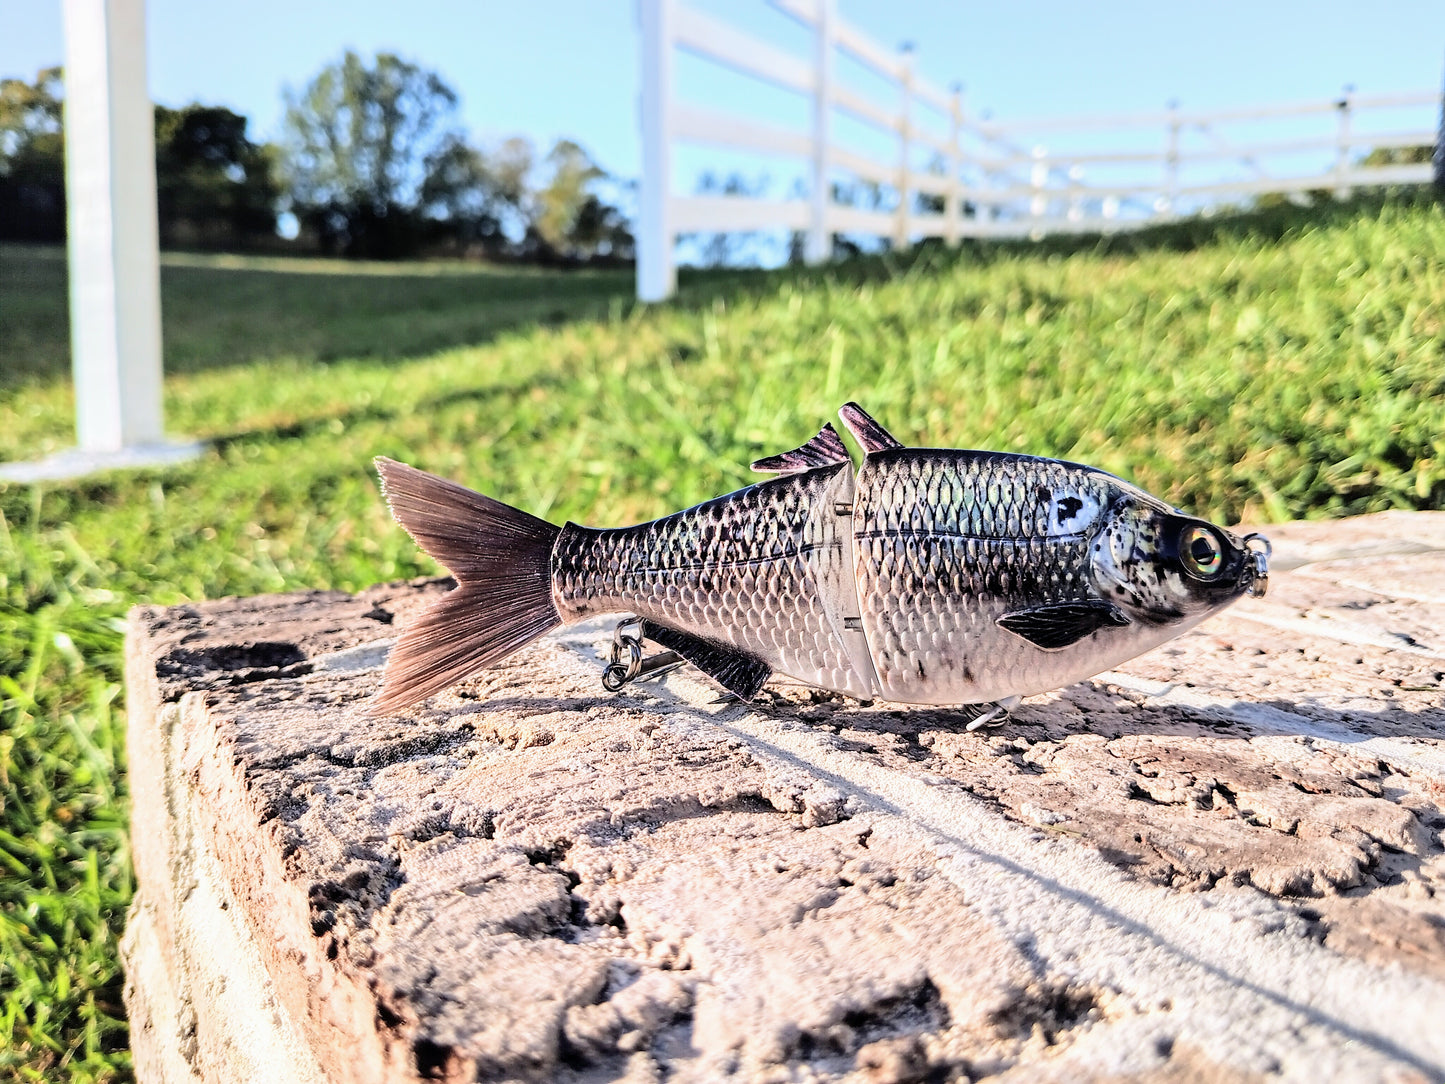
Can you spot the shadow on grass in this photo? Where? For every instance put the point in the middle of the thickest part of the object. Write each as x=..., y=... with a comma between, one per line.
x=379, y=412
x=227, y=311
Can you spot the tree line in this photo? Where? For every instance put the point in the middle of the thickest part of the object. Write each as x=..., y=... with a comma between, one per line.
x=371, y=162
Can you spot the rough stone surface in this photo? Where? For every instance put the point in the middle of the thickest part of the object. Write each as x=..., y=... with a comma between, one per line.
x=1223, y=863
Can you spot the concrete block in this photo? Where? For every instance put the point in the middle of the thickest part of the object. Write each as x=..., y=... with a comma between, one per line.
x=1221, y=863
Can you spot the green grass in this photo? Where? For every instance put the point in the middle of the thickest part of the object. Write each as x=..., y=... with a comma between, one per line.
x=1284, y=365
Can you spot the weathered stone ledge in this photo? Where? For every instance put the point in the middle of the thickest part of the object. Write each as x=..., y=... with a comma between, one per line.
x=1224, y=863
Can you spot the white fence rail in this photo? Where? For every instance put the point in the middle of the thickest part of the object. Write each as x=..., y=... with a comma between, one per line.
x=983, y=178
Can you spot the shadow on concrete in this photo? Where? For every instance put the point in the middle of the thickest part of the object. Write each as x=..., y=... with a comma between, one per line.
x=1087, y=708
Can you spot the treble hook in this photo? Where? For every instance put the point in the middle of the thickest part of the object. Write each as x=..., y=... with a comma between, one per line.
x=627, y=637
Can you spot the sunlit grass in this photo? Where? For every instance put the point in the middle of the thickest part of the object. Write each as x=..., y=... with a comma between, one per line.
x=1290, y=365
x=64, y=870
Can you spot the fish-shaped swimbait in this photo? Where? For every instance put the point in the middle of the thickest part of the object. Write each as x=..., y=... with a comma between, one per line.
x=932, y=576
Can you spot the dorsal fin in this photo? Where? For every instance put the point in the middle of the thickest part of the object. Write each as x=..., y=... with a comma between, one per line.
x=827, y=447
x=870, y=434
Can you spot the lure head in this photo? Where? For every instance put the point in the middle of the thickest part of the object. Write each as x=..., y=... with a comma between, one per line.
x=1162, y=567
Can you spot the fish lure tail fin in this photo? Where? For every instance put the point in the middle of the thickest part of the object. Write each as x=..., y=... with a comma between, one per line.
x=502, y=560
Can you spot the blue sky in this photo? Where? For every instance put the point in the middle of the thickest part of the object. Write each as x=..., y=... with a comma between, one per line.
x=549, y=68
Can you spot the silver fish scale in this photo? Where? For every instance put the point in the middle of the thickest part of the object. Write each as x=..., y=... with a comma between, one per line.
x=947, y=542
x=767, y=569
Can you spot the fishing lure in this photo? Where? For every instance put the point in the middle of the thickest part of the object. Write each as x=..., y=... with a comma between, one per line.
x=931, y=576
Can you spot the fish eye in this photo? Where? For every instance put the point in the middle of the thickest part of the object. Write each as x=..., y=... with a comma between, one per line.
x=1201, y=552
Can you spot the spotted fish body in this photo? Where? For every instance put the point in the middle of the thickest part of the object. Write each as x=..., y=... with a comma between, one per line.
x=949, y=542
x=932, y=576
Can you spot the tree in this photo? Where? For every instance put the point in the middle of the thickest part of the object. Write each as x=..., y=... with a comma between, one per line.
x=483, y=200
x=215, y=187
x=571, y=219
x=510, y=169
x=458, y=200
x=1399, y=156
x=32, y=159
x=487, y=202
x=363, y=145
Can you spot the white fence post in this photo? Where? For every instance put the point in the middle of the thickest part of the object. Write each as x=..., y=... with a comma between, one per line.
x=1437, y=160
x=1171, y=162
x=1076, y=200
x=656, y=270
x=115, y=305
x=819, y=246
x=1038, y=177
x=952, y=211
x=113, y=250
x=905, y=123
x=1342, y=150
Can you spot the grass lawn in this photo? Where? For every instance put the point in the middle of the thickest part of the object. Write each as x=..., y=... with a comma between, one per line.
x=1289, y=364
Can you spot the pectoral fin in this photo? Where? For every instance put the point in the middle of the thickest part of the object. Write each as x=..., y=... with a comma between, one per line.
x=740, y=674
x=1060, y=624
x=823, y=450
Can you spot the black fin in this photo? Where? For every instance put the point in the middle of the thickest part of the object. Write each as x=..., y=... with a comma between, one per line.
x=870, y=434
x=1060, y=624
x=502, y=559
x=826, y=448
x=736, y=672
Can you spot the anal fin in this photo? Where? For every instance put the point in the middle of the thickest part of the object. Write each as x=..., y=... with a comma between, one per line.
x=1059, y=624
x=735, y=671
x=823, y=450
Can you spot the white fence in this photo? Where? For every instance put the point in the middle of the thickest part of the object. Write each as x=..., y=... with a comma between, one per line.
x=955, y=176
